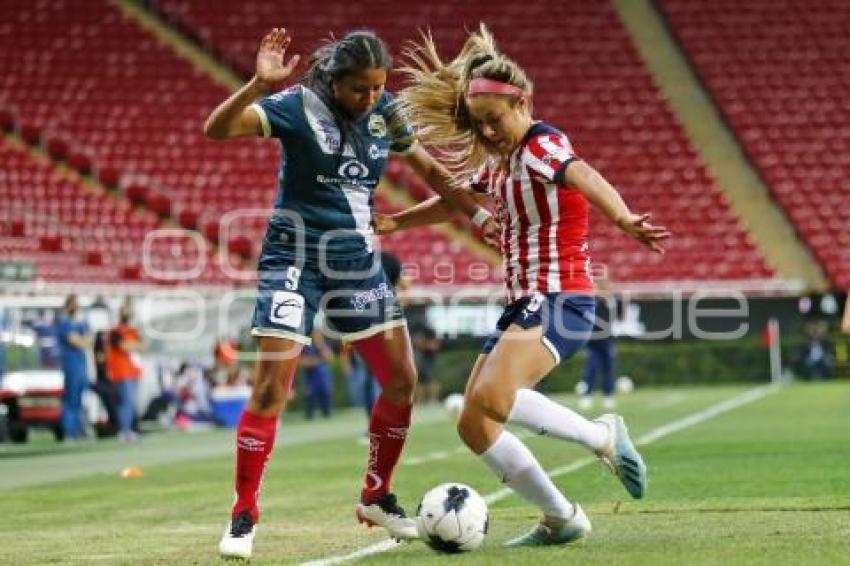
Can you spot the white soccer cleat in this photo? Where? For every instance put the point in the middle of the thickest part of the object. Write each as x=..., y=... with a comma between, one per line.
x=387, y=513
x=238, y=538
x=552, y=531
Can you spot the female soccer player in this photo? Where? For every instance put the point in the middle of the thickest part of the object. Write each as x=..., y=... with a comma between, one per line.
x=477, y=108
x=336, y=127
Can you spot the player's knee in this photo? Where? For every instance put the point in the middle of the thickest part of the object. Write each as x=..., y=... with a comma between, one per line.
x=402, y=384
x=472, y=427
x=469, y=426
x=267, y=395
x=490, y=401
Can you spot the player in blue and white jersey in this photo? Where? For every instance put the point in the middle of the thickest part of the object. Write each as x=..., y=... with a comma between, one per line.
x=336, y=128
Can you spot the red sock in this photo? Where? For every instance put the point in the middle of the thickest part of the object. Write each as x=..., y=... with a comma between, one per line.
x=387, y=434
x=254, y=443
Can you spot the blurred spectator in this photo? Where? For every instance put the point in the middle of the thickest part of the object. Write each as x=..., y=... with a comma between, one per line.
x=845, y=322
x=163, y=407
x=103, y=386
x=362, y=387
x=45, y=331
x=426, y=346
x=816, y=358
x=227, y=370
x=318, y=380
x=125, y=371
x=193, y=390
x=601, y=353
x=74, y=339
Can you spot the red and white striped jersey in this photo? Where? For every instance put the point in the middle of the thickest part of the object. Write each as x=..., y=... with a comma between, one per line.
x=544, y=225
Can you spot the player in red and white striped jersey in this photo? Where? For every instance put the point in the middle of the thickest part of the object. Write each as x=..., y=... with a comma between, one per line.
x=478, y=109
x=544, y=229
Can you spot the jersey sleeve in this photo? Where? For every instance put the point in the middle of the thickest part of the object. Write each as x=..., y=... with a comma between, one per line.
x=399, y=129
x=480, y=180
x=278, y=112
x=548, y=155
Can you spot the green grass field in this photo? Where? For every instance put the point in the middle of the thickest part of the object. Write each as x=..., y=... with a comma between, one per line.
x=767, y=482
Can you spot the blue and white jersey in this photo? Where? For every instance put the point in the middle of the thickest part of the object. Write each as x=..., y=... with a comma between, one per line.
x=325, y=196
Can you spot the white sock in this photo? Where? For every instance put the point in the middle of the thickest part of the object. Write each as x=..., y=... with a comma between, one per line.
x=517, y=467
x=539, y=414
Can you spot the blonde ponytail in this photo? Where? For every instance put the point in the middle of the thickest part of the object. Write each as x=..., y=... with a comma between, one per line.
x=434, y=97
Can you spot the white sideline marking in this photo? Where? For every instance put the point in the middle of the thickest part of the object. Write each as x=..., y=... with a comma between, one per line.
x=382, y=546
x=648, y=438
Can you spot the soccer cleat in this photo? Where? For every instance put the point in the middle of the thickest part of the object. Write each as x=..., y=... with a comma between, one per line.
x=386, y=512
x=238, y=538
x=621, y=456
x=552, y=530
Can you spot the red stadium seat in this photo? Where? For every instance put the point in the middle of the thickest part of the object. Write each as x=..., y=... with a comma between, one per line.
x=137, y=109
x=782, y=101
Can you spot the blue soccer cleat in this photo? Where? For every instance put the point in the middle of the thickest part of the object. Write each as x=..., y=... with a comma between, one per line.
x=622, y=457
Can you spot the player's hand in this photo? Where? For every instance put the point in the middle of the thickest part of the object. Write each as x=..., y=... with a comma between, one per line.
x=271, y=68
x=638, y=227
x=491, y=232
x=384, y=224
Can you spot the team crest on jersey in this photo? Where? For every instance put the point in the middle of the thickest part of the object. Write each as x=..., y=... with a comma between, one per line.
x=556, y=148
x=377, y=126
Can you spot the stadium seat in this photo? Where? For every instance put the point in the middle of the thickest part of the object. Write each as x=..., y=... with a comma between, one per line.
x=134, y=110
x=772, y=67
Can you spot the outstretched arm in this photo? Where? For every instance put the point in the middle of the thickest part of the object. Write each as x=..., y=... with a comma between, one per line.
x=606, y=198
x=432, y=211
x=453, y=196
x=233, y=117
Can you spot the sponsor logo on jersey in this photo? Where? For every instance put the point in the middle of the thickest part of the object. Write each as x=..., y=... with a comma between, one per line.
x=376, y=152
x=287, y=309
x=330, y=133
x=353, y=170
x=364, y=298
x=377, y=126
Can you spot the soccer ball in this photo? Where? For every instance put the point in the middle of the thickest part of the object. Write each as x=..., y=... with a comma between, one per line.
x=454, y=404
x=624, y=385
x=452, y=518
x=581, y=388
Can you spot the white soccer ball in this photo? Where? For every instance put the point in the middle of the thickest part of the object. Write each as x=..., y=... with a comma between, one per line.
x=452, y=518
x=454, y=404
x=624, y=385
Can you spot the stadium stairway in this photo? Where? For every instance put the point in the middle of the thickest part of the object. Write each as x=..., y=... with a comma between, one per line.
x=748, y=196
